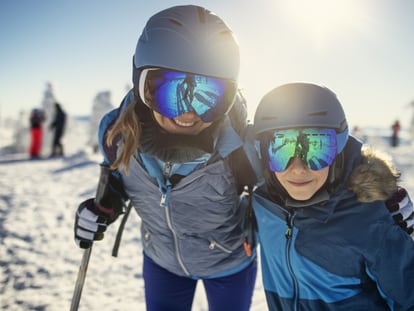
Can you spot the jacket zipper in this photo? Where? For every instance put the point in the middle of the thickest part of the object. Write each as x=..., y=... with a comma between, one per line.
x=164, y=203
x=288, y=235
x=214, y=244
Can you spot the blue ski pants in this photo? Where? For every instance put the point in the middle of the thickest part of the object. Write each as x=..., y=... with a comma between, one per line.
x=165, y=291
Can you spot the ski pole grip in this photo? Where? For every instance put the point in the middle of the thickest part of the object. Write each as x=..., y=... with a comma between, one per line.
x=102, y=183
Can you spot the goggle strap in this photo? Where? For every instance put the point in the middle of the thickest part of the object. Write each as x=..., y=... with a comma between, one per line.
x=141, y=85
x=336, y=169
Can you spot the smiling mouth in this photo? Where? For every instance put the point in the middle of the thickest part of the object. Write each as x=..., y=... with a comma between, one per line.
x=184, y=124
x=298, y=184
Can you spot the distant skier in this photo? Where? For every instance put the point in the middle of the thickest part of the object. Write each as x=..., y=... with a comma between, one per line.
x=58, y=125
x=396, y=127
x=37, y=117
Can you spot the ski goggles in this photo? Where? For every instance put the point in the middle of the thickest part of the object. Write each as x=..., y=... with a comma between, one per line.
x=173, y=93
x=316, y=147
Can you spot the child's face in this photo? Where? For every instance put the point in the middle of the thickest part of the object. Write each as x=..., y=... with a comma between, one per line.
x=186, y=124
x=301, y=182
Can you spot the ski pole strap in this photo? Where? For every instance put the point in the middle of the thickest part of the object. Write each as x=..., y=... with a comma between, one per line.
x=121, y=230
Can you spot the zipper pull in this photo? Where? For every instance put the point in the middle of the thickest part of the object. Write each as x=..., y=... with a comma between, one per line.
x=163, y=199
x=165, y=196
x=247, y=248
x=288, y=232
x=167, y=169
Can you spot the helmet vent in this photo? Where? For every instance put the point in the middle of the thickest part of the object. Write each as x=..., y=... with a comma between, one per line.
x=225, y=32
x=269, y=118
x=318, y=114
x=174, y=21
x=201, y=15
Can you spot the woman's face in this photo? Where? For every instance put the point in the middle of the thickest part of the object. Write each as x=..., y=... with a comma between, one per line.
x=186, y=124
x=301, y=182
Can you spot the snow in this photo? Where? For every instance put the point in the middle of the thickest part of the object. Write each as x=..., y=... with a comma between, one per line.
x=39, y=259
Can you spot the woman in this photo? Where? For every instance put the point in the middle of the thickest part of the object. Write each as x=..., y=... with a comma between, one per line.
x=172, y=146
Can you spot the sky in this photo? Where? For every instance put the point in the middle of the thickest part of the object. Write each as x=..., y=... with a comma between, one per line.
x=361, y=49
x=39, y=259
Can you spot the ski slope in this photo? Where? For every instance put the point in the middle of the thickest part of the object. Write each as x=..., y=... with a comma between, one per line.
x=39, y=259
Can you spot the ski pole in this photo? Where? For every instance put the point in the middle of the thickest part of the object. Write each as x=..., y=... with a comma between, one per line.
x=81, y=279
x=83, y=268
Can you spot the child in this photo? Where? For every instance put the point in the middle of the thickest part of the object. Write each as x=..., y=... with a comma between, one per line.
x=322, y=248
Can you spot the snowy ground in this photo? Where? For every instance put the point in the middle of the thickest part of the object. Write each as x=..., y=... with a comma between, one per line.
x=39, y=260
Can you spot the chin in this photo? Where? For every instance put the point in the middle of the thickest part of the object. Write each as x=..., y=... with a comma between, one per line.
x=301, y=197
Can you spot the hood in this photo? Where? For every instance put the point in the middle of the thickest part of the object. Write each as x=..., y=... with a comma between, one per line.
x=375, y=178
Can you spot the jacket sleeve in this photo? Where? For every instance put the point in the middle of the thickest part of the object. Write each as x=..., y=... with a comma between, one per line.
x=392, y=267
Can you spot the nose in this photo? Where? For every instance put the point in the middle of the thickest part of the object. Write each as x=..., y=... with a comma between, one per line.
x=297, y=164
x=188, y=116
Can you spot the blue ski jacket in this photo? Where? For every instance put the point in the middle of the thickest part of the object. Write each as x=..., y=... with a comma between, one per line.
x=193, y=227
x=340, y=254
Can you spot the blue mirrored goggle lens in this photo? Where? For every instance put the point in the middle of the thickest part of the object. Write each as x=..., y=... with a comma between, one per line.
x=173, y=93
x=317, y=148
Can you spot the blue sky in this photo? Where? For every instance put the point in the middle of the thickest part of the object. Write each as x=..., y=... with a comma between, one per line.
x=361, y=49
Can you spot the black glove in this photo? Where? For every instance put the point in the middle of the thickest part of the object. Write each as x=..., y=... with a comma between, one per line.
x=401, y=209
x=92, y=219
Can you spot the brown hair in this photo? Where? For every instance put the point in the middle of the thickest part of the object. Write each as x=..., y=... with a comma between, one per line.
x=128, y=127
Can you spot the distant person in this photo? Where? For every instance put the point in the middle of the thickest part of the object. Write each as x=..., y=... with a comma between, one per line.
x=396, y=127
x=58, y=125
x=37, y=117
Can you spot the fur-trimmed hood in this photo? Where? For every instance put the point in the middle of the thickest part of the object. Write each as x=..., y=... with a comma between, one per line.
x=375, y=178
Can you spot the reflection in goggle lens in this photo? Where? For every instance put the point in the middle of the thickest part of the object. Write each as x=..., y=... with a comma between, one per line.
x=316, y=147
x=173, y=93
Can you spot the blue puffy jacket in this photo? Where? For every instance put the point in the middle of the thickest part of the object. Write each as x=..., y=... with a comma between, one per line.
x=340, y=254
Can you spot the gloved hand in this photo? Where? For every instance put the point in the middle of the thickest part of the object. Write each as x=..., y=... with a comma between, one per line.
x=91, y=222
x=93, y=218
x=401, y=209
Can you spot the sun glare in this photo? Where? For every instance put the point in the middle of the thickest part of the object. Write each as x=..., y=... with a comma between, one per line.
x=325, y=20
